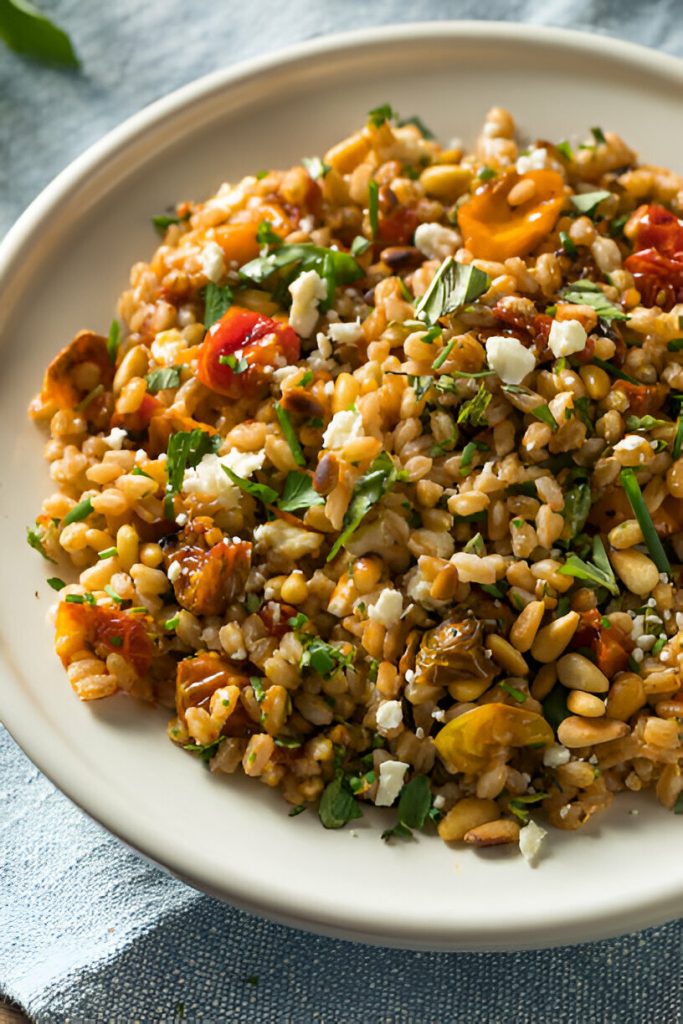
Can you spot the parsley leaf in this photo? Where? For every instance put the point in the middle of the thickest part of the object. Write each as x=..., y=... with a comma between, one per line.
x=474, y=410
x=588, y=202
x=25, y=30
x=217, y=301
x=565, y=150
x=453, y=286
x=577, y=506
x=56, y=583
x=35, y=540
x=164, y=220
x=159, y=380
x=262, y=492
x=588, y=293
x=359, y=245
x=378, y=115
x=337, y=805
x=186, y=449
x=369, y=488
x=298, y=493
x=204, y=751
x=236, y=365
x=304, y=256
x=265, y=234
x=598, y=572
x=419, y=124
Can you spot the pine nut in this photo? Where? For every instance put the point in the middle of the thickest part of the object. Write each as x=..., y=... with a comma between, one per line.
x=446, y=182
x=661, y=733
x=576, y=773
x=467, y=814
x=586, y=704
x=493, y=833
x=546, y=677
x=445, y=585
x=295, y=588
x=506, y=655
x=638, y=572
x=526, y=627
x=133, y=364
x=468, y=690
x=576, y=672
x=666, y=681
x=625, y=535
x=522, y=192
x=553, y=638
x=587, y=732
x=626, y=696
x=596, y=380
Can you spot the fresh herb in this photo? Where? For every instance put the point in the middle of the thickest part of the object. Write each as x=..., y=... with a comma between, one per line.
x=453, y=286
x=321, y=657
x=305, y=256
x=186, y=449
x=555, y=708
x=298, y=809
x=204, y=751
x=413, y=808
x=443, y=354
x=577, y=506
x=588, y=202
x=543, y=413
x=512, y=691
x=373, y=207
x=162, y=221
x=419, y=124
x=675, y=345
x=337, y=805
x=588, y=293
x=56, y=583
x=567, y=244
x=369, y=488
x=475, y=545
x=378, y=115
x=468, y=454
x=35, y=541
x=678, y=806
x=252, y=603
x=236, y=365
x=474, y=410
x=598, y=572
x=80, y=511
x=642, y=514
x=113, y=340
x=108, y=553
x=257, y=687
x=316, y=167
x=288, y=742
x=262, y=492
x=614, y=370
x=519, y=804
x=298, y=493
x=617, y=224
x=678, y=438
x=159, y=380
x=565, y=150
x=359, y=245
x=265, y=234
x=658, y=645
x=643, y=423
x=116, y=641
x=298, y=621
x=172, y=623
x=485, y=173
x=448, y=444
x=112, y=594
x=420, y=385
x=599, y=136
x=217, y=301
x=93, y=393
x=75, y=599
x=289, y=434
x=25, y=30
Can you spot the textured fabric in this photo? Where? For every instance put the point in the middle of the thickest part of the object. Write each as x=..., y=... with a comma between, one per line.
x=90, y=931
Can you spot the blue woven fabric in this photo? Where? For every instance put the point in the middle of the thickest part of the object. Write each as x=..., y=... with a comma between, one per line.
x=90, y=931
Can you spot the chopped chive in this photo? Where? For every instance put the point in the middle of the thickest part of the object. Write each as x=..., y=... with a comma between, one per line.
x=112, y=594
x=75, y=599
x=678, y=439
x=373, y=207
x=443, y=355
x=610, y=368
x=113, y=340
x=171, y=624
x=108, y=553
x=80, y=511
x=513, y=692
x=95, y=393
x=599, y=136
x=290, y=434
x=642, y=514
x=658, y=645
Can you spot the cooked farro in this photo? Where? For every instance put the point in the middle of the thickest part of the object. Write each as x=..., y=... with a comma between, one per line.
x=378, y=481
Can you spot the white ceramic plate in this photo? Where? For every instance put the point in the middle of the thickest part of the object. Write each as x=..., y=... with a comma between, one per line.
x=62, y=267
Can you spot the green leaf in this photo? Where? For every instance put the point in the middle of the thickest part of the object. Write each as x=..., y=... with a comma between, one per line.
x=475, y=546
x=486, y=173
x=113, y=341
x=419, y=124
x=614, y=370
x=474, y=411
x=265, y=234
x=261, y=492
x=588, y=202
x=321, y=657
x=316, y=167
x=453, y=286
x=373, y=207
x=678, y=806
x=599, y=572
x=443, y=354
x=164, y=220
x=80, y=511
x=565, y=149
x=337, y=805
x=56, y=583
x=369, y=488
x=567, y=244
x=642, y=514
x=588, y=293
x=257, y=687
x=204, y=751
x=186, y=449
x=543, y=413
x=577, y=506
x=289, y=434
x=159, y=380
x=599, y=136
x=298, y=809
x=675, y=345
x=359, y=245
x=217, y=301
x=644, y=423
x=236, y=365
x=378, y=115
x=678, y=439
x=25, y=30
x=35, y=541
x=420, y=385
x=414, y=802
x=299, y=493
x=301, y=257
x=555, y=708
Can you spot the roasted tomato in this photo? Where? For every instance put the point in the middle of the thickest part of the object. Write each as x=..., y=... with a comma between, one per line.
x=275, y=617
x=643, y=399
x=657, y=260
x=264, y=344
x=495, y=230
x=610, y=645
x=104, y=631
x=208, y=578
x=469, y=742
x=398, y=227
x=59, y=390
x=454, y=653
x=199, y=677
x=525, y=319
x=138, y=421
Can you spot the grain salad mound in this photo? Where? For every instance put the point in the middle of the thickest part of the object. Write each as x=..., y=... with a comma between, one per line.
x=378, y=482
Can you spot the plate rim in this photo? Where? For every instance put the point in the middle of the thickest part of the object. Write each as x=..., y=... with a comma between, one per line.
x=14, y=711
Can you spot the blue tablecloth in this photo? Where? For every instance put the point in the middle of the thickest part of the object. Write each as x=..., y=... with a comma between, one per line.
x=88, y=930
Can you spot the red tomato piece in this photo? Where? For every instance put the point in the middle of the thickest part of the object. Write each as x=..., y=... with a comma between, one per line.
x=610, y=645
x=643, y=399
x=657, y=260
x=240, y=335
x=275, y=617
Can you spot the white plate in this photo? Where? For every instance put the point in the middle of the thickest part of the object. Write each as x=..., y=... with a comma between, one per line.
x=62, y=267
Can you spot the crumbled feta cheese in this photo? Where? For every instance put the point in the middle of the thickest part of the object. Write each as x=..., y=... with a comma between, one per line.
x=283, y=372
x=324, y=345
x=307, y=223
x=291, y=541
x=212, y=261
x=439, y=802
x=387, y=608
x=307, y=291
x=439, y=715
x=509, y=358
x=436, y=241
x=556, y=755
x=389, y=715
x=409, y=675
x=530, y=839
x=646, y=642
x=115, y=438
x=174, y=571
x=630, y=443
x=210, y=482
x=419, y=733
x=534, y=160
x=566, y=337
x=344, y=426
x=346, y=334
x=564, y=811
x=181, y=518
x=391, y=774
x=679, y=621
x=663, y=577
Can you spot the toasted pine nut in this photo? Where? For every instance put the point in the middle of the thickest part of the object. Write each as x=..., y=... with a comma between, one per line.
x=546, y=677
x=467, y=814
x=576, y=773
x=445, y=585
x=661, y=732
x=587, y=732
x=553, y=638
x=636, y=570
x=522, y=192
x=445, y=181
x=626, y=695
x=493, y=833
x=506, y=655
x=578, y=673
x=586, y=704
x=526, y=627
x=625, y=535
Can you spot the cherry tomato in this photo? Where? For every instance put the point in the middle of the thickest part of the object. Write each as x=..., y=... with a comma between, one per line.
x=104, y=630
x=657, y=262
x=610, y=645
x=262, y=343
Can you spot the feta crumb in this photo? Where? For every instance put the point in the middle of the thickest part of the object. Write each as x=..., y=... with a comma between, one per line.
x=409, y=675
x=389, y=715
x=530, y=839
x=324, y=345
x=439, y=802
x=209, y=480
x=387, y=608
x=564, y=811
x=439, y=715
x=212, y=261
x=663, y=577
x=630, y=443
x=307, y=291
x=436, y=242
x=346, y=334
x=593, y=759
x=115, y=438
x=509, y=358
x=342, y=428
x=307, y=224
x=174, y=571
x=556, y=755
x=534, y=160
x=181, y=518
x=679, y=620
x=391, y=775
x=566, y=337
x=419, y=733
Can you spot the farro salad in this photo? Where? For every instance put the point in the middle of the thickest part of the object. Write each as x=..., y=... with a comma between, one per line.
x=377, y=481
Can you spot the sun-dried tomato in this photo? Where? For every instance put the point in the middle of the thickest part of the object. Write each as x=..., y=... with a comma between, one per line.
x=657, y=260
x=242, y=336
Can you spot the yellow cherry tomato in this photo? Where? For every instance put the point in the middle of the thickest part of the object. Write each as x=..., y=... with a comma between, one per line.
x=467, y=743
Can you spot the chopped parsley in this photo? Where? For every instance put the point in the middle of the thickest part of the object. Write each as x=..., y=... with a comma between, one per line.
x=204, y=751
x=453, y=286
x=35, y=541
x=419, y=124
x=316, y=167
x=299, y=493
x=443, y=354
x=186, y=449
x=543, y=413
x=162, y=221
x=218, y=298
x=599, y=136
x=298, y=809
x=56, y=583
x=565, y=150
x=474, y=410
x=513, y=692
x=675, y=345
x=485, y=173
x=236, y=365
x=265, y=234
x=378, y=115
x=108, y=553
x=300, y=257
x=588, y=202
x=567, y=244
x=369, y=488
x=359, y=245
x=321, y=657
x=262, y=492
x=678, y=438
x=598, y=572
x=159, y=380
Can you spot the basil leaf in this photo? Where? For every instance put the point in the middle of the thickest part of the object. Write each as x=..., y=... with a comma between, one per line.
x=159, y=380
x=35, y=540
x=453, y=286
x=588, y=293
x=316, y=167
x=373, y=485
x=261, y=492
x=217, y=301
x=474, y=411
x=80, y=511
x=307, y=257
x=337, y=805
x=359, y=245
x=25, y=30
x=587, y=202
x=114, y=340
x=186, y=449
x=298, y=493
